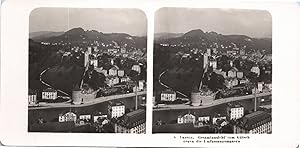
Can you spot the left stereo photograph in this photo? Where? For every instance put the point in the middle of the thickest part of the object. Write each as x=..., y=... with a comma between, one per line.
x=87, y=70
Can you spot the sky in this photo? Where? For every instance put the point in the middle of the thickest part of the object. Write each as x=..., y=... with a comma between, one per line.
x=106, y=20
x=253, y=23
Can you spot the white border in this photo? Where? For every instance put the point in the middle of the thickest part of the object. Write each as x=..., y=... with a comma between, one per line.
x=14, y=63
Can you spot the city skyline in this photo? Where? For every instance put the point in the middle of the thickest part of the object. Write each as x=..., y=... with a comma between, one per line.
x=106, y=20
x=253, y=23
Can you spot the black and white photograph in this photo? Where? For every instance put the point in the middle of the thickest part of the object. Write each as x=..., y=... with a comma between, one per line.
x=87, y=70
x=212, y=71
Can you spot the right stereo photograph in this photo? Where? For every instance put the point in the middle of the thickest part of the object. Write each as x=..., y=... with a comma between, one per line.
x=212, y=71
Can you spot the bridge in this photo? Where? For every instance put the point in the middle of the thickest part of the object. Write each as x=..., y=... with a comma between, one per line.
x=213, y=103
x=93, y=102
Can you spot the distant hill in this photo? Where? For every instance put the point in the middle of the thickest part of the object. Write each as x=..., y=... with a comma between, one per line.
x=200, y=39
x=79, y=36
x=43, y=34
x=165, y=35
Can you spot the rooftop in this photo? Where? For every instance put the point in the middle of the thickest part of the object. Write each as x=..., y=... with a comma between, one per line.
x=250, y=121
x=234, y=105
x=115, y=103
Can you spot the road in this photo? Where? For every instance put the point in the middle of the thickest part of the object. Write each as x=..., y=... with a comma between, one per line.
x=95, y=101
x=48, y=85
x=214, y=103
x=161, y=83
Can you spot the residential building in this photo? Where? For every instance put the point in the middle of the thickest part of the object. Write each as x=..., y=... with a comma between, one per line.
x=234, y=111
x=136, y=68
x=112, y=80
x=259, y=122
x=218, y=117
x=67, y=117
x=132, y=122
x=86, y=117
x=230, y=82
x=168, y=95
x=32, y=97
x=187, y=118
x=204, y=118
x=232, y=72
x=256, y=70
x=113, y=71
x=208, y=51
x=260, y=86
x=213, y=64
x=115, y=109
x=239, y=74
x=205, y=60
x=94, y=62
x=121, y=73
x=49, y=94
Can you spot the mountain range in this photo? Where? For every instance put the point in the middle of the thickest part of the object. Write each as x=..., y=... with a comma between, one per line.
x=200, y=39
x=79, y=36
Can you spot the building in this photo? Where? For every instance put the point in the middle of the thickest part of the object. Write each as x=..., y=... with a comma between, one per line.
x=187, y=118
x=113, y=71
x=213, y=64
x=239, y=74
x=231, y=82
x=67, y=117
x=259, y=122
x=260, y=86
x=208, y=51
x=86, y=117
x=232, y=72
x=94, y=62
x=242, y=51
x=205, y=60
x=136, y=68
x=204, y=118
x=168, y=95
x=99, y=117
x=256, y=70
x=218, y=117
x=32, y=97
x=133, y=122
x=121, y=73
x=112, y=80
x=234, y=111
x=115, y=109
x=86, y=58
x=49, y=94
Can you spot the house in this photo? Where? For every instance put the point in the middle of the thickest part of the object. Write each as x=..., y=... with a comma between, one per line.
x=121, y=73
x=239, y=74
x=141, y=84
x=187, y=118
x=218, y=117
x=168, y=95
x=113, y=71
x=230, y=82
x=99, y=117
x=260, y=86
x=94, y=62
x=86, y=117
x=256, y=70
x=259, y=122
x=32, y=97
x=234, y=111
x=223, y=73
x=243, y=81
x=132, y=122
x=115, y=109
x=213, y=64
x=49, y=94
x=136, y=68
x=124, y=79
x=232, y=72
x=112, y=80
x=204, y=118
x=67, y=117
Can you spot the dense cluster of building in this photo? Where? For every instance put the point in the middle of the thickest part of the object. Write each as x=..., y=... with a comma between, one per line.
x=256, y=122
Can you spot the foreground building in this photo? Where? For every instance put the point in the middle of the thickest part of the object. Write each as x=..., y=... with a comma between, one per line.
x=168, y=95
x=133, y=122
x=234, y=111
x=49, y=94
x=259, y=122
x=187, y=118
x=115, y=109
